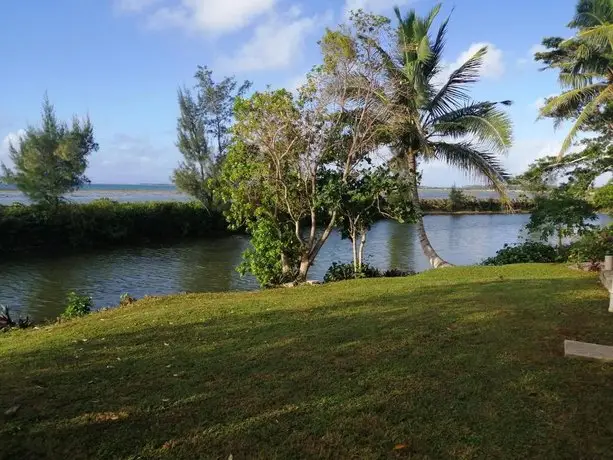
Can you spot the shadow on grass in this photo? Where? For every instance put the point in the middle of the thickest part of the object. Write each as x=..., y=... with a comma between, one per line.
x=467, y=370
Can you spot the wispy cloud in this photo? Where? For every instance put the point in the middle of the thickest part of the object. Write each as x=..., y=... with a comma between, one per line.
x=276, y=43
x=205, y=16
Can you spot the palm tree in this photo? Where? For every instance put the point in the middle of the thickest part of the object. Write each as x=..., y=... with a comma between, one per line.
x=434, y=118
x=585, y=62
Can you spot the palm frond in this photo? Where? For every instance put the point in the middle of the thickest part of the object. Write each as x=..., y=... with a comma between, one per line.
x=483, y=121
x=590, y=108
x=432, y=65
x=577, y=80
x=599, y=36
x=454, y=92
x=477, y=164
x=569, y=102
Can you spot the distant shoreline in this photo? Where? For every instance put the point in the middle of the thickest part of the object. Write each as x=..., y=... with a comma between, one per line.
x=171, y=187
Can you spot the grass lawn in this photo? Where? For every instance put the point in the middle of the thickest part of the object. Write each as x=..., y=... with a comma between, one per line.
x=455, y=363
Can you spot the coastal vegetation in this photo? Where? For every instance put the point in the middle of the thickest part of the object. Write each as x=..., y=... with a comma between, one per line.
x=50, y=160
x=102, y=224
x=203, y=133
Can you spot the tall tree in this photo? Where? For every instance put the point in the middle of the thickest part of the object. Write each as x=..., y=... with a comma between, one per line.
x=194, y=171
x=275, y=178
x=203, y=132
x=216, y=102
x=437, y=120
x=585, y=66
x=50, y=160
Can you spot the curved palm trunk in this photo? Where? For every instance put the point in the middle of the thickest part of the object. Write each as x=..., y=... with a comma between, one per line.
x=436, y=261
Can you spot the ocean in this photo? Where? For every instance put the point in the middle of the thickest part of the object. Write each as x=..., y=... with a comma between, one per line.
x=168, y=192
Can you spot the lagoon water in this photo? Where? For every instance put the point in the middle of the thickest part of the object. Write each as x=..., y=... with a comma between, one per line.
x=38, y=286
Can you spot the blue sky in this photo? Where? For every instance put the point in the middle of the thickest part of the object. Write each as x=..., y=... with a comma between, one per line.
x=121, y=61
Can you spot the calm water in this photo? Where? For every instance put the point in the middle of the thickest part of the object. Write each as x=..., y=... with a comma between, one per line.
x=38, y=286
x=164, y=192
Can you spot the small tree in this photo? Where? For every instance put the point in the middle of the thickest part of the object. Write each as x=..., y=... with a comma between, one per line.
x=561, y=215
x=363, y=199
x=51, y=160
x=457, y=199
x=203, y=133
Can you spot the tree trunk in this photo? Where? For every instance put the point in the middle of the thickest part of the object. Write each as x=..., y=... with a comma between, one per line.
x=354, y=253
x=286, y=269
x=435, y=260
x=305, y=264
x=361, y=252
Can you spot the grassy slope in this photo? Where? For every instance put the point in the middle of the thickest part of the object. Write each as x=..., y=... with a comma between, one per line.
x=462, y=362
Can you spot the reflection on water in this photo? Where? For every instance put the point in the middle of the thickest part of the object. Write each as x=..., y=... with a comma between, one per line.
x=39, y=286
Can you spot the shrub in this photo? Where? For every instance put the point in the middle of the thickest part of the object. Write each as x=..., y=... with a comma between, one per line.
x=397, y=273
x=528, y=252
x=126, y=299
x=339, y=271
x=592, y=247
x=603, y=198
x=103, y=223
x=457, y=199
x=472, y=204
x=560, y=215
x=77, y=306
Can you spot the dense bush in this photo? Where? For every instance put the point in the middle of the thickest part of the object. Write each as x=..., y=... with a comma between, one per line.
x=103, y=223
x=471, y=204
x=603, y=198
x=593, y=246
x=77, y=306
x=529, y=252
x=339, y=271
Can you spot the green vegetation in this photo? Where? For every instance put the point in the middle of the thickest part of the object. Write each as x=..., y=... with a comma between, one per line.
x=527, y=252
x=461, y=363
x=339, y=271
x=50, y=161
x=102, y=224
x=560, y=215
x=592, y=247
x=474, y=205
x=77, y=306
x=584, y=63
x=203, y=133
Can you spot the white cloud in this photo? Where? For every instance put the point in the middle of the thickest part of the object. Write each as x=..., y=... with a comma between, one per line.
x=13, y=138
x=529, y=57
x=540, y=102
x=493, y=64
x=376, y=6
x=209, y=16
x=537, y=49
x=275, y=43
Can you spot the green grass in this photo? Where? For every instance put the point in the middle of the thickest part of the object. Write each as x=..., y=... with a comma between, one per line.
x=454, y=363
